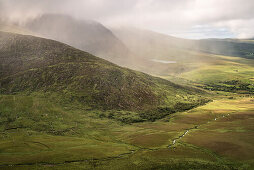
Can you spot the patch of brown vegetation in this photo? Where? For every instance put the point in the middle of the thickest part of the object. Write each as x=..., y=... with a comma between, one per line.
x=151, y=140
x=234, y=145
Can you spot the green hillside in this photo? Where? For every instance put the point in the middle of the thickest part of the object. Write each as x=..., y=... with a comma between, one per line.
x=223, y=65
x=30, y=64
x=244, y=49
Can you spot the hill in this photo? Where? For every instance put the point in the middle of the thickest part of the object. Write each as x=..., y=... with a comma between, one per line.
x=162, y=54
x=226, y=47
x=30, y=64
x=87, y=35
x=219, y=64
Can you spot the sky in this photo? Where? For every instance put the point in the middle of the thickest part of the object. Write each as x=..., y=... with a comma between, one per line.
x=195, y=19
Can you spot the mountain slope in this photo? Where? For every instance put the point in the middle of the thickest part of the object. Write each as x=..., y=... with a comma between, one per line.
x=223, y=65
x=30, y=64
x=228, y=47
x=225, y=47
x=6, y=27
x=86, y=35
x=161, y=54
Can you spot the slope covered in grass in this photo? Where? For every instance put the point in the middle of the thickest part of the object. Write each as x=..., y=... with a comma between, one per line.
x=244, y=49
x=233, y=74
x=162, y=54
x=194, y=60
x=30, y=64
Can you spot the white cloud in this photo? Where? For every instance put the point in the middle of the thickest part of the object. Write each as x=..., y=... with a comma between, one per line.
x=168, y=16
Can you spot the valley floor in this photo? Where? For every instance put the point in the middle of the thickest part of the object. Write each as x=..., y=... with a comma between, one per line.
x=218, y=135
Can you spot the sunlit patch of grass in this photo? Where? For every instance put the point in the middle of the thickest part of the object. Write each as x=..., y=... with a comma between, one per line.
x=70, y=133
x=56, y=149
x=229, y=135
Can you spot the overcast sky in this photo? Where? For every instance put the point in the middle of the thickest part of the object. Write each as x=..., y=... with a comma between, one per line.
x=184, y=18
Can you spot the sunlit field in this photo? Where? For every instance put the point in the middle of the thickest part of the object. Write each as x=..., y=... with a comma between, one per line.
x=218, y=134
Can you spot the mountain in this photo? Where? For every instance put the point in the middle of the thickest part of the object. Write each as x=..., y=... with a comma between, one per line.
x=87, y=35
x=161, y=54
x=166, y=54
x=161, y=44
x=226, y=47
x=30, y=64
x=216, y=64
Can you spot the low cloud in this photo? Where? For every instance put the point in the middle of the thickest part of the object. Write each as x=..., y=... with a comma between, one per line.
x=233, y=17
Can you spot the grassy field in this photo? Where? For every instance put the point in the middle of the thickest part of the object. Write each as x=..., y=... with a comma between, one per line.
x=229, y=68
x=43, y=134
x=72, y=110
x=221, y=73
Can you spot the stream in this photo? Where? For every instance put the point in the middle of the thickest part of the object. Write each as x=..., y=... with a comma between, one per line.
x=131, y=152
x=187, y=131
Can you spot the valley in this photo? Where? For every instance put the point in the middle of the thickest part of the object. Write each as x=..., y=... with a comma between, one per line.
x=189, y=105
x=196, y=135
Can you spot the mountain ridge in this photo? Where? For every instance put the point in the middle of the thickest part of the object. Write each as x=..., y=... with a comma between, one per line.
x=87, y=35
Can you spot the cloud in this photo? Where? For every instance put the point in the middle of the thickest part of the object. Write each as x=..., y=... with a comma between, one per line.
x=235, y=17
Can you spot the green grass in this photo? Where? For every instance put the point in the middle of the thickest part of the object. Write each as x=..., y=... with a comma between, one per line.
x=73, y=133
x=66, y=109
x=231, y=75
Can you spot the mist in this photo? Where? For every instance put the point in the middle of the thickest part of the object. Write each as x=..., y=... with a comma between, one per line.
x=194, y=19
x=136, y=33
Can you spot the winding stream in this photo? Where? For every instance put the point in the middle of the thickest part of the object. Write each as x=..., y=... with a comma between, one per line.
x=187, y=131
x=131, y=152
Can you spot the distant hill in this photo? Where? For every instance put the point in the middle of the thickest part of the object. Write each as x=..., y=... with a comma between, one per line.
x=162, y=42
x=226, y=47
x=86, y=35
x=30, y=64
x=162, y=54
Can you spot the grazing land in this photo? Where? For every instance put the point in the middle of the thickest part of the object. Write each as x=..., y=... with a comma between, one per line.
x=57, y=113
x=218, y=134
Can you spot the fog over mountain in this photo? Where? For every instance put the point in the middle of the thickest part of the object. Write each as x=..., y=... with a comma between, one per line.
x=137, y=34
x=87, y=35
x=191, y=19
